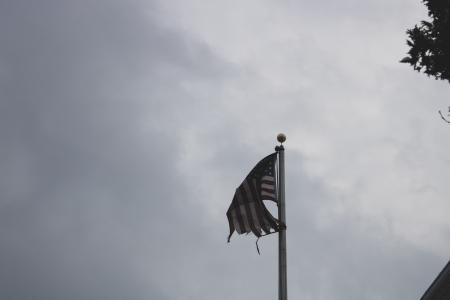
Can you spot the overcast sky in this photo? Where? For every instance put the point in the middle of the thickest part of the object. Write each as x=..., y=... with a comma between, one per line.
x=125, y=127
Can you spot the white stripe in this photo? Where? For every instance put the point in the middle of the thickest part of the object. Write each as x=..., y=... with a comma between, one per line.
x=268, y=178
x=267, y=186
x=264, y=193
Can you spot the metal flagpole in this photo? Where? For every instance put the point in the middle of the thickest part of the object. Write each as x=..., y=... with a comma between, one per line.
x=282, y=267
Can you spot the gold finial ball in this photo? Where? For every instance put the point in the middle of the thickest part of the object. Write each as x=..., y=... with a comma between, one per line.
x=281, y=137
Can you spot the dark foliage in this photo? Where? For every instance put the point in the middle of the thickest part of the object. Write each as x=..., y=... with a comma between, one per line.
x=430, y=42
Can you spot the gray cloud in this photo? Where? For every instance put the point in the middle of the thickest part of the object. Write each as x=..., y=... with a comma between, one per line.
x=90, y=191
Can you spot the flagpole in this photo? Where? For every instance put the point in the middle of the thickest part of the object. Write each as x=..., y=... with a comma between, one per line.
x=282, y=266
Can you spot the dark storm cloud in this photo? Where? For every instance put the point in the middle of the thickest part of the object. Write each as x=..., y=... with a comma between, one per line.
x=89, y=188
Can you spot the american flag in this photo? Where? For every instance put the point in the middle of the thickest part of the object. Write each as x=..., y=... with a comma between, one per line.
x=247, y=212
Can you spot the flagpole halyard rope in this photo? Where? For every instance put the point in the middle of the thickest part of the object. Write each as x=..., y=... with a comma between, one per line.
x=257, y=247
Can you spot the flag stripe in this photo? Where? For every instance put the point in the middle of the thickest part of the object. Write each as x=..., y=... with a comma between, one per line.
x=268, y=219
x=264, y=193
x=264, y=224
x=268, y=186
x=230, y=223
x=245, y=193
x=242, y=210
x=269, y=182
x=236, y=221
x=237, y=211
x=253, y=223
x=254, y=219
x=247, y=228
x=267, y=192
